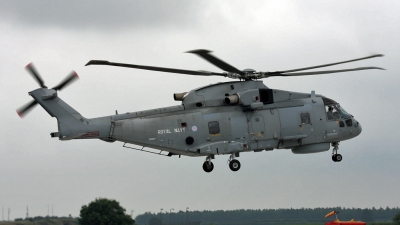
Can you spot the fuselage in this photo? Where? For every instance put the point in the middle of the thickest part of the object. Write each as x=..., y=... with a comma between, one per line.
x=223, y=118
x=261, y=119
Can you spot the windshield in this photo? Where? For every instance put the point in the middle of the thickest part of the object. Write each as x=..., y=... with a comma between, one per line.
x=343, y=112
x=336, y=112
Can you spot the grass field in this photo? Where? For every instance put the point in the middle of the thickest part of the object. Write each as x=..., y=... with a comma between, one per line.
x=44, y=222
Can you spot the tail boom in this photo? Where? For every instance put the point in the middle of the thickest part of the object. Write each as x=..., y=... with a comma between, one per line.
x=71, y=124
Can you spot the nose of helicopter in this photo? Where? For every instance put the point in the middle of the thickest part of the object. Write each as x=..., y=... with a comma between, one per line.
x=358, y=125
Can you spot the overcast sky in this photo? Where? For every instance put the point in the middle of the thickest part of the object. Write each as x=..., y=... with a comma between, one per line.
x=60, y=36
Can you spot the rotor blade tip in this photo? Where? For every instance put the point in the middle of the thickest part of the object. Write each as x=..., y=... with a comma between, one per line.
x=75, y=74
x=199, y=51
x=19, y=113
x=28, y=66
x=97, y=62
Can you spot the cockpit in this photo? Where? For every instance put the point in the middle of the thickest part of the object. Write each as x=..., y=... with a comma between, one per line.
x=334, y=111
x=336, y=115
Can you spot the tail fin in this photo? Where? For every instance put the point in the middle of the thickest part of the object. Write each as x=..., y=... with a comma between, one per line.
x=71, y=124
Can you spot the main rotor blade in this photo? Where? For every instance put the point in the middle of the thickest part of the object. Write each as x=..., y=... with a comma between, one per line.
x=71, y=77
x=26, y=108
x=215, y=61
x=275, y=74
x=330, y=64
x=35, y=74
x=153, y=68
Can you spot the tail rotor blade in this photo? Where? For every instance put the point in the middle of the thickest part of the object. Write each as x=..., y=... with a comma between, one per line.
x=70, y=78
x=35, y=74
x=26, y=108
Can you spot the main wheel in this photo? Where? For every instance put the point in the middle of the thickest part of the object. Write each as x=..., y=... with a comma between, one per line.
x=208, y=166
x=338, y=157
x=234, y=165
x=334, y=157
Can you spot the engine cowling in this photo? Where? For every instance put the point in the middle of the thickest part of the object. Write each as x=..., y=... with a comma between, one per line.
x=244, y=98
x=179, y=96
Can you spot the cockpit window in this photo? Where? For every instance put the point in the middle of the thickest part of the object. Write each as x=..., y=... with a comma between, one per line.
x=328, y=101
x=336, y=112
x=343, y=112
x=332, y=113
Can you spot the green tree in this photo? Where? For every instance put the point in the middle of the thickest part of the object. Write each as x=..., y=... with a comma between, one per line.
x=104, y=211
x=367, y=215
x=155, y=221
x=396, y=219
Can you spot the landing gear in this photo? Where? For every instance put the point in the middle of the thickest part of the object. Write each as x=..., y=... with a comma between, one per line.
x=336, y=157
x=234, y=164
x=208, y=166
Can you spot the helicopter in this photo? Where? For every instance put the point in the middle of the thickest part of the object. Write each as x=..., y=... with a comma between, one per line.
x=225, y=118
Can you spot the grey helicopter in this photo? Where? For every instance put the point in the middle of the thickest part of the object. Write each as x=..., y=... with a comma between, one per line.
x=225, y=118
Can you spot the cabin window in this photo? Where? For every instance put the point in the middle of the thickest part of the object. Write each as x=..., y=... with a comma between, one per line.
x=213, y=127
x=305, y=118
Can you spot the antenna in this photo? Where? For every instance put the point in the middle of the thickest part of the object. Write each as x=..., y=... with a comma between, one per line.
x=8, y=214
x=27, y=212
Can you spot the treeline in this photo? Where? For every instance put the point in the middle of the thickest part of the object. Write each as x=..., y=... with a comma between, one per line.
x=37, y=218
x=272, y=215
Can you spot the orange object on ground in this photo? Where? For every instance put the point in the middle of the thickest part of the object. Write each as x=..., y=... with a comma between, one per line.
x=337, y=222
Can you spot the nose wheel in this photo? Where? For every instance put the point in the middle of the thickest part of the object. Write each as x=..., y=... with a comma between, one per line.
x=335, y=156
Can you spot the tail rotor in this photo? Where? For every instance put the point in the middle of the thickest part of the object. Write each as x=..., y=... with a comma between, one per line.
x=32, y=70
x=26, y=108
x=70, y=78
x=22, y=111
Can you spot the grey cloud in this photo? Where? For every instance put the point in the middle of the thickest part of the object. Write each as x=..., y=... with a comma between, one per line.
x=103, y=15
